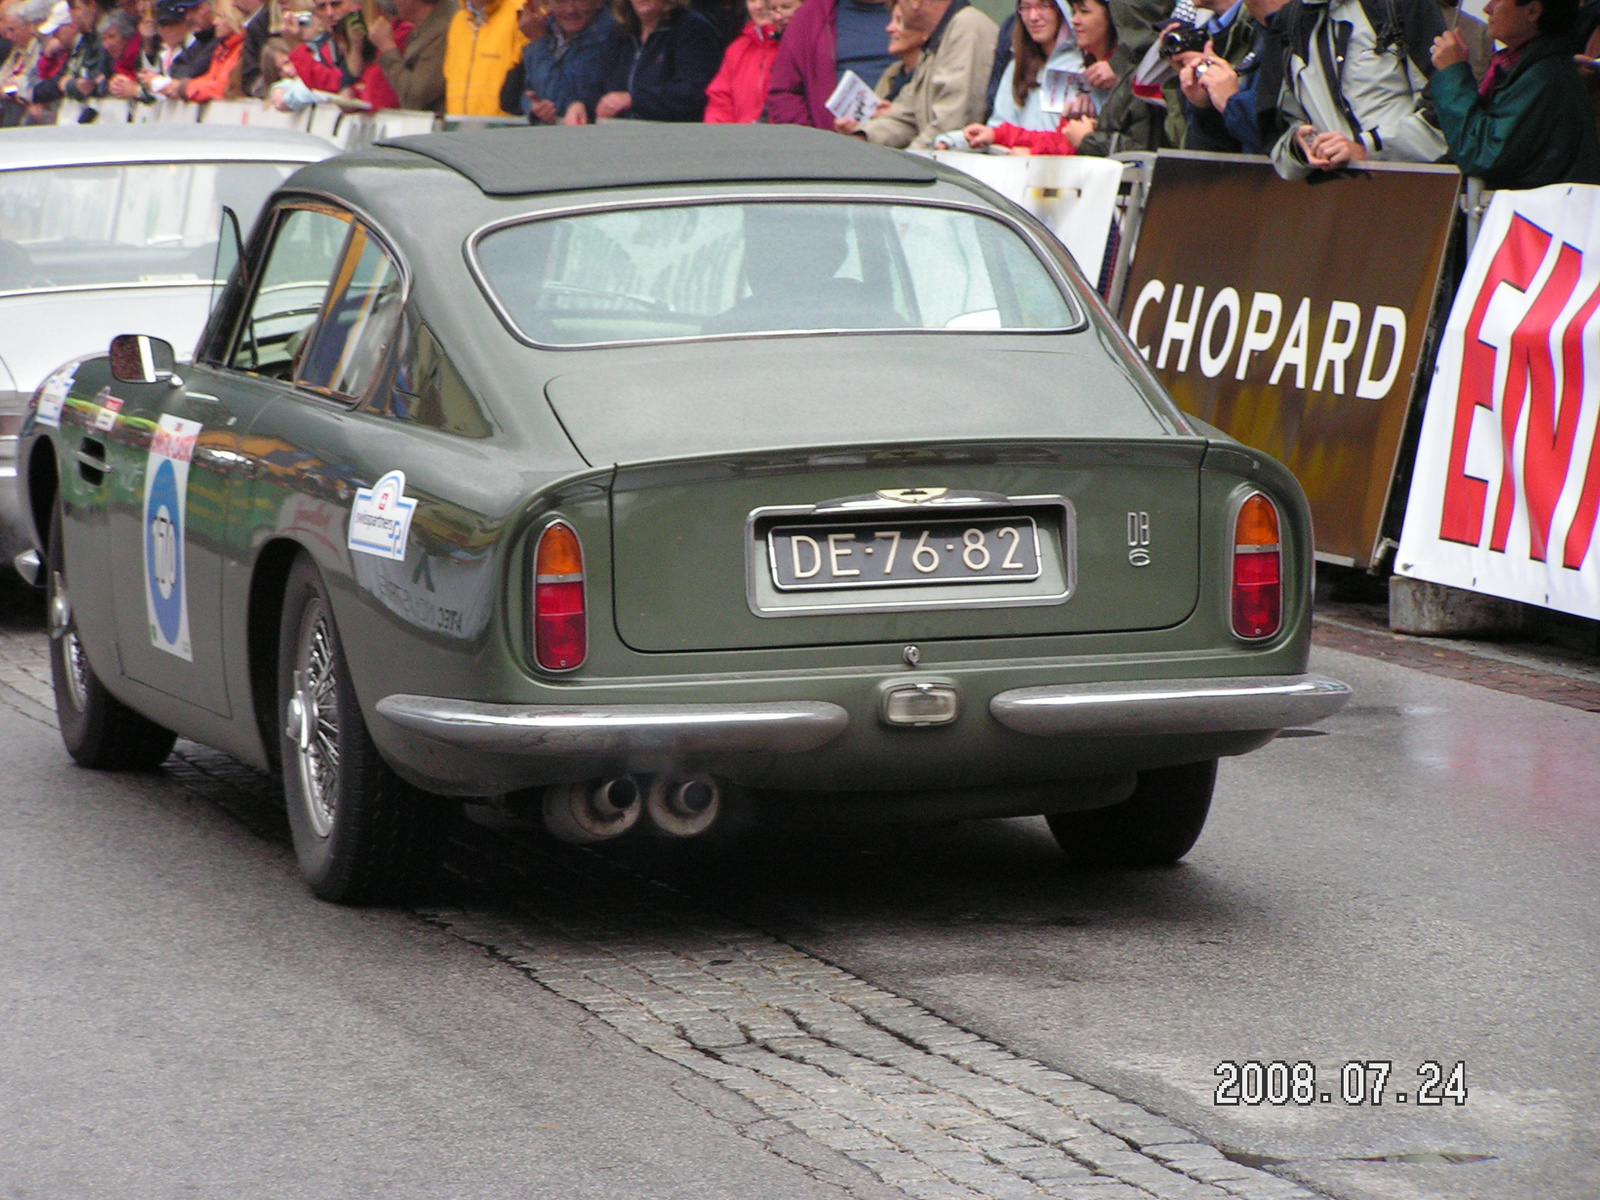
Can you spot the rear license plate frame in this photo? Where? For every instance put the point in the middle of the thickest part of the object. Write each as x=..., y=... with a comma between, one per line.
x=800, y=552
x=1055, y=530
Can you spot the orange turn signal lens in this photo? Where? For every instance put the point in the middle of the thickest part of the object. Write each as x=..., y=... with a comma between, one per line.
x=559, y=551
x=1257, y=524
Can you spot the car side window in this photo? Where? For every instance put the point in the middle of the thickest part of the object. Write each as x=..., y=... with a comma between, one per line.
x=358, y=321
x=306, y=251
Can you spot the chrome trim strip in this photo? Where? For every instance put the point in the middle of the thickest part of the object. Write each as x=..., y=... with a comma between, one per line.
x=1155, y=707
x=1052, y=268
x=598, y=730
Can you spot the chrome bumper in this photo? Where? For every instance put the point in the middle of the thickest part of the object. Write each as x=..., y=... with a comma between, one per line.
x=1169, y=706
x=602, y=731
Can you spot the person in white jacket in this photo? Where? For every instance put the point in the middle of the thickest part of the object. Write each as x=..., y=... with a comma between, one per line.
x=1355, y=84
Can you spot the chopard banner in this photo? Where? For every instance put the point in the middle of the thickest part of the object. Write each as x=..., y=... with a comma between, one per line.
x=1507, y=481
x=1292, y=316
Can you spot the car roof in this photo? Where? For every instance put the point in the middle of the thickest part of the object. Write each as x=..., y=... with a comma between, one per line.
x=530, y=161
x=88, y=145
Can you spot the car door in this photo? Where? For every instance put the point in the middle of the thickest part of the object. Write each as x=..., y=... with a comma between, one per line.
x=189, y=461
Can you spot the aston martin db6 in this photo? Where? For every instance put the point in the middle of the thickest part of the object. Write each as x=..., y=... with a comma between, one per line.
x=633, y=476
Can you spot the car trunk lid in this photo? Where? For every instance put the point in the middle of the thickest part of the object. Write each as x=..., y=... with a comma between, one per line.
x=784, y=499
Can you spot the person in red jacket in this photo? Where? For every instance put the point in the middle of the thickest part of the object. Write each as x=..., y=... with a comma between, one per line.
x=738, y=93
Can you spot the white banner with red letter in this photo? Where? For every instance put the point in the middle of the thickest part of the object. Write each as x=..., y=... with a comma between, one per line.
x=1507, y=481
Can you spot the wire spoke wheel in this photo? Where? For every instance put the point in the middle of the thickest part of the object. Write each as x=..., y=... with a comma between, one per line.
x=69, y=648
x=313, y=718
x=361, y=833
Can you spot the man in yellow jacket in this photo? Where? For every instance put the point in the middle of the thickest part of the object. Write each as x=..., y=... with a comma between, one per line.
x=485, y=42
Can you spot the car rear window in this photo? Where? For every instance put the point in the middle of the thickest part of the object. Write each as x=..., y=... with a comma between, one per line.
x=700, y=270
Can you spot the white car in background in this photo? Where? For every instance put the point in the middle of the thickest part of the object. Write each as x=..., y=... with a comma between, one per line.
x=107, y=228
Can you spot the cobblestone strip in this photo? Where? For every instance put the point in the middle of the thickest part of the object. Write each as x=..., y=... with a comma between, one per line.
x=25, y=675
x=930, y=1108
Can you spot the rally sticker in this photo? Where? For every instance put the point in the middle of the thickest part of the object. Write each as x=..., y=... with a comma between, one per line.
x=380, y=520
x=166, y=489
x=110, y=406
x=53, y=396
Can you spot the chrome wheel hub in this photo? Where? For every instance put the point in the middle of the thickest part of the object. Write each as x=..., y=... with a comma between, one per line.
x=311, y=719
x=74, y=666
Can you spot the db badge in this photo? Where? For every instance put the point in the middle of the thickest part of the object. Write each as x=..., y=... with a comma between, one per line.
x=1139, y=539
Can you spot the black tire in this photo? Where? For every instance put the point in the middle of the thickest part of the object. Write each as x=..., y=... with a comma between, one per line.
x=362, y=834
x=1154, y=827
x=100, y=731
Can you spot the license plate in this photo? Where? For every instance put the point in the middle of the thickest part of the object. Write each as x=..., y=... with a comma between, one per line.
x=901, y=553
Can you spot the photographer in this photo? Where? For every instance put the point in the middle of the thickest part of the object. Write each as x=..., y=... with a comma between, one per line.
x=1356, y=84
x=84, y=74
x=1230, y=88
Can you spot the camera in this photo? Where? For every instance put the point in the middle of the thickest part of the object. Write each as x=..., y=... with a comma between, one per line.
x=1186, y=39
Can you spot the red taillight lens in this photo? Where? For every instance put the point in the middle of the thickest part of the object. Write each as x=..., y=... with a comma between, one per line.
x=1257, y=570
x=560, y=626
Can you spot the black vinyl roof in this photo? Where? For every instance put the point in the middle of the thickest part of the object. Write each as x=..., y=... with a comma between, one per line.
x=532, y=160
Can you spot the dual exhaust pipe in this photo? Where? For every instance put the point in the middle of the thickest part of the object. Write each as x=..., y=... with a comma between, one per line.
x=582, y=813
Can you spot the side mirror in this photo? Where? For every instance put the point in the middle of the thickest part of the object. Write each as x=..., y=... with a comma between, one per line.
x=136, y=358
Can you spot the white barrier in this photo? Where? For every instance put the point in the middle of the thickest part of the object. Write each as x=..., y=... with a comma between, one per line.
x=347, y=130
x=1505, y=492
x=1075, y=197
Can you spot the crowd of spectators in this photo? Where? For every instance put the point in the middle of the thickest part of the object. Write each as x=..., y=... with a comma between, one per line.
x=1318, y=85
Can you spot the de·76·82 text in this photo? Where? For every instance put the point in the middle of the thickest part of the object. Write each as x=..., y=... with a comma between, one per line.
x=1360, y=1082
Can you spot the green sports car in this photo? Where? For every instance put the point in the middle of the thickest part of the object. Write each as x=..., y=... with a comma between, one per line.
x=633, y=475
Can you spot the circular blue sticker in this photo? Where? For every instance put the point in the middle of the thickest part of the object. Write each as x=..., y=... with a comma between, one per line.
x=163, y=551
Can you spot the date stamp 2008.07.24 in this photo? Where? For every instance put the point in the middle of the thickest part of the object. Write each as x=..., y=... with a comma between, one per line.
x=1368, y=1082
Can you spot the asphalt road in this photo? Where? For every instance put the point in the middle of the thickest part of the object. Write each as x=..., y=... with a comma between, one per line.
x=1418, y=883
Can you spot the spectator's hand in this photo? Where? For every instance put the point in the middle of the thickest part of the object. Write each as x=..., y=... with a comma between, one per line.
x=381, y=34
x=146, y=75
x=979, y=137
x=1079, y=128
x=1220, y=80
x=1304, y=138
x=124, y=88
x=612, y=104
x=1079, y=106
x=846, y=126
x=883, y=107
x=1100, y=76
x=1020, y=151
x=576, y=114
x=542, y=111
x=1191, y=81
x=1448, y=50
x=1331, y=150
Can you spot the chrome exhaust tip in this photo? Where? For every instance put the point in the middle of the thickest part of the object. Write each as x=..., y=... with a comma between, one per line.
x=684, y=807
x=582, y=813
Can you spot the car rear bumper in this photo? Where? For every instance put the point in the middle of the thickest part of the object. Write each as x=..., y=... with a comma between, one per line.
x=1157, y=707
x=467, y=746
x=609, y=730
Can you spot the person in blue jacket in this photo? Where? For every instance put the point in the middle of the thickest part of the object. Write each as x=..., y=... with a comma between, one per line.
x=1528, y=123
x=563, y=73
x=663, y=55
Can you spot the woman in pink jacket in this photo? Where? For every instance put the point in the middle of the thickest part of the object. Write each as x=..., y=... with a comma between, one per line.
x=738, y=93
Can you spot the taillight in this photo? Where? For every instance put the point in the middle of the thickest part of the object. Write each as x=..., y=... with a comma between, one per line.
x=560, y=629
x=1257, y=570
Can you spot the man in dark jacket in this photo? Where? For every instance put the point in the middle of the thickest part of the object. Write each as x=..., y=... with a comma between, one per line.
x=1527, y=124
